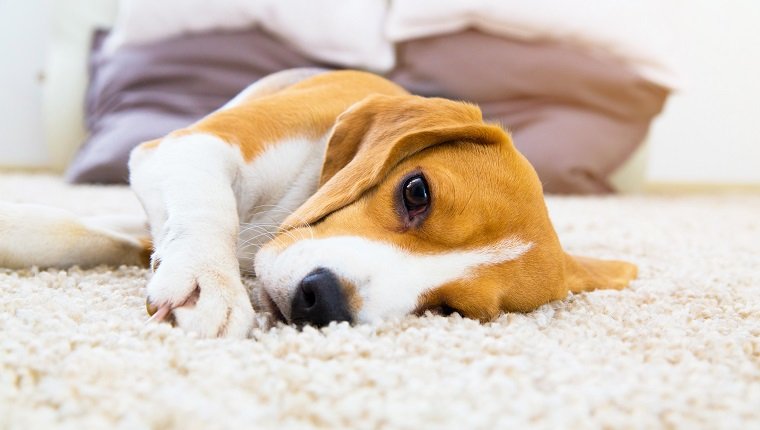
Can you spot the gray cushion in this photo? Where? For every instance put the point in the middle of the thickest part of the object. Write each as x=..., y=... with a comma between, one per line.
x=576, y=117
x=144, y=92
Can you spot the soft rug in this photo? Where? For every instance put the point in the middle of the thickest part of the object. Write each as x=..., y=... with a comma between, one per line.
x=679, y=349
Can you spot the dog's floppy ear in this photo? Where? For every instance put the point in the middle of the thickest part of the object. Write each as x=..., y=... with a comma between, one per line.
x=375, y=134
x=588, y=274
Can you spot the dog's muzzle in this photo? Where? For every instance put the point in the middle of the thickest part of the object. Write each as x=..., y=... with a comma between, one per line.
x=319, y=300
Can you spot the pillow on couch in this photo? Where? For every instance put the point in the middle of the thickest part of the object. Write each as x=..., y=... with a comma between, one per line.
x=576, y=116
x=349, y=33
x=144, y=92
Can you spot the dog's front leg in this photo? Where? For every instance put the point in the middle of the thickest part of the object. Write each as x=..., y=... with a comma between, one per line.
x=186, y=186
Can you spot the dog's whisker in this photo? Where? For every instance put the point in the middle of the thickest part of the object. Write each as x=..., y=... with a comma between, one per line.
x=261, y=225
x=271, y=210
x=283, y=208
x=255, y=226
x=259, y=239
x=255, y=239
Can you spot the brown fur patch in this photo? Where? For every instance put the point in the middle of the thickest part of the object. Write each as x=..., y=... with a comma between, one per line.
x=353, y=298
x=306, y=109
x=147, y=251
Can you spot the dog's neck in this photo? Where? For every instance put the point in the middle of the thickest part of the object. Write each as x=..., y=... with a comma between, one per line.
x=285, y=176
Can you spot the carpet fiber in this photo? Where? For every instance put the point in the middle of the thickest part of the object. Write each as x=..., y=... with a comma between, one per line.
x=679, y=348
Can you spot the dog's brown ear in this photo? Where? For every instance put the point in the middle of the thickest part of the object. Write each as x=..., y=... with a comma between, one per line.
x=374, y=135
x=386, y=129
x=588, y=274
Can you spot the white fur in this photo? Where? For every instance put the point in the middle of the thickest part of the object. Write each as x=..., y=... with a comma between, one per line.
x=185, y=185
x=389, y=280
x=197, y=190
x=36, y=235
x=272, y=187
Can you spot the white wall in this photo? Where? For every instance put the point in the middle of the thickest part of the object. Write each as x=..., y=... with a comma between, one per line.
x=23, y=35
x=710, y=131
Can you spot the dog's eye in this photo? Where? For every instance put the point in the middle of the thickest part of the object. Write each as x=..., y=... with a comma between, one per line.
x=416, y=195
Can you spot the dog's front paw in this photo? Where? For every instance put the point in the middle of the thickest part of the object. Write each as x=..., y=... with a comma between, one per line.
x=207, y=298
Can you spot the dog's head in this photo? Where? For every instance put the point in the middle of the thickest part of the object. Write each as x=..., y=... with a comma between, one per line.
x=422, y=206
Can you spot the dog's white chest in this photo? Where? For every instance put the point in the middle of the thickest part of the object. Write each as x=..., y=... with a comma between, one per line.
x=270, y=188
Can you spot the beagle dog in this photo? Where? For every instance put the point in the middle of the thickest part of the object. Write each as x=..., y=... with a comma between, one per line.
x=347, y=197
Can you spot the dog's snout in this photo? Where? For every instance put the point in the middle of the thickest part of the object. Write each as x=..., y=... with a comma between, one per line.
x=319, y=300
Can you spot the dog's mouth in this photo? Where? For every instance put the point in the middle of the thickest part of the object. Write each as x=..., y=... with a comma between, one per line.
x=271, y=306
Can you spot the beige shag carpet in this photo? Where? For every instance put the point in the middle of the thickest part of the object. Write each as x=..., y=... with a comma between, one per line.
x=679, y=349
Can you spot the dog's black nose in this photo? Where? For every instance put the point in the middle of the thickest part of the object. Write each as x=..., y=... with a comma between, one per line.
x=319, y=300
